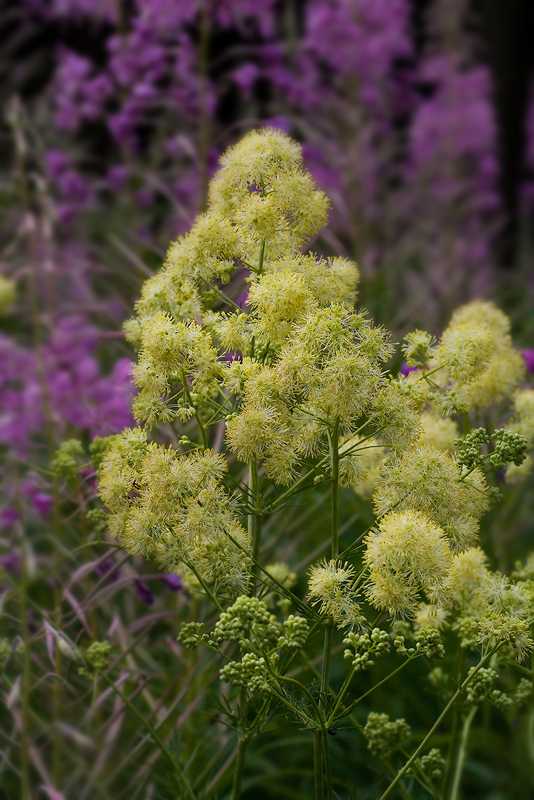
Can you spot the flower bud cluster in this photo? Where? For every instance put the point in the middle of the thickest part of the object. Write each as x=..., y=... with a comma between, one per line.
x=247, y=619
x=364, y=646
x=523, y=691
x=481, y=685
x=249, y=623
x=468, y=449
x=64, y=464
x=432, y=764
x=428, y=641
x=383, y=735
x=509, y=448
x=252, y=672
x=296, y=630
x=190, y=635
x=97, y=656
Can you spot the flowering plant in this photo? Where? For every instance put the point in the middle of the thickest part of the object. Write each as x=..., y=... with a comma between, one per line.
x=289, y=381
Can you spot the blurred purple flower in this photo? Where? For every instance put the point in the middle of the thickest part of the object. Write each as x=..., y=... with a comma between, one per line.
x=174, y=582
x=528, y=356
x=117, y=177
x=8, y=516
x=11, y=563
x=405, y=369
x=245, y=77
x=107, y=568
x=56, y=163
x=143, y=592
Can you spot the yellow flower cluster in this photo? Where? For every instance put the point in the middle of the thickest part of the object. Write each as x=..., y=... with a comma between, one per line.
x=407, y=555
x=331, y=585
x=475, y=362
x=427, y=479
x=174, y=508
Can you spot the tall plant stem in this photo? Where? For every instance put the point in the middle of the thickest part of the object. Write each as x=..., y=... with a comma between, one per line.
x=461, y=753
x=242, y=742
x=320, y=736
x=318, y=764
x=255, y=519
x=254, y=531
x=197, y=416
x=453, y=745
x=333, y=444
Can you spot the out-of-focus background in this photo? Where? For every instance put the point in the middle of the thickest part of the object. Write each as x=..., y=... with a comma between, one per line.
x=416, y=117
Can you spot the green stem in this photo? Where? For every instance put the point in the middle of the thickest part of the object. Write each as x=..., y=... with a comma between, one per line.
x=318, y=765
x=325, y=688
x=458, y=667
x=333, y=445
x=255, y=519
x=199, y=421
x=326, y=765
x=437, y=723
x=205, y=586
x=327, y=657
x=341, y=694
x=242, y=742
x=461, y=753
x=262, y=256
x=157, y=738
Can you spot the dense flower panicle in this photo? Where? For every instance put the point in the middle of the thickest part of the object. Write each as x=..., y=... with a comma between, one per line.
x=427, y=479
x=279, y=299
x=441, y=432
x=396, y=415
x=171, y=352
x=432, y=616
x=331, y=584
x=418, y=348
x=468, y=569
x=407, y=554
x=523, y=419
x=370, y=458
x=465, y=350
x=505, y=367
x=173, y=508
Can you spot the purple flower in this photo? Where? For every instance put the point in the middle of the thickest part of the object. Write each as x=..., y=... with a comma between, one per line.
x=405, y=369
x=11, y=563
x=8, y=516
x=245, y=77
x=117, y=177
x=56, y=163
x=174, y=582
x=528, y=356
x=107, y=568
x=143, y=592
